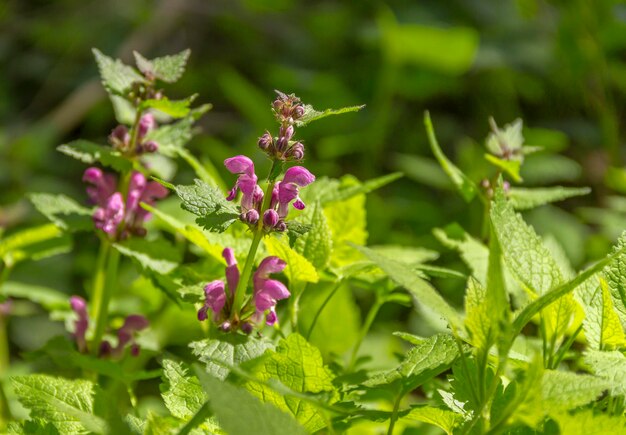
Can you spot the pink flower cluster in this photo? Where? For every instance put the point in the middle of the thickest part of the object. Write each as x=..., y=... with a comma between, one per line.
x=267, y=292
x=113, y=215
x=284, y=193
x=125, y=335
x=120, y=137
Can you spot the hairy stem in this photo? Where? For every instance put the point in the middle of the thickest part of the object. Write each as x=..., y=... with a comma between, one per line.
x=394, y=413
x=103, y=297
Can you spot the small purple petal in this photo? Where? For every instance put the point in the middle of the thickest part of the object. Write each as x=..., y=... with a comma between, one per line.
x=240, y=165
x=215, y=296
x=271, y=318
x=79, y=306
x=232, y=271
x=146, y=123
x=269, y=265
x=270, y=218
x=298, y=175
x=298, y=204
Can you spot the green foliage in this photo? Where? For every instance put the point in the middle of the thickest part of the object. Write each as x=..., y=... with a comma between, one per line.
x=92, y=153
x=166, y=68
x=525, y=199
x=117, y=78
x=66, y=213
x=298, y=269
x=33, y=243
x=209, y=204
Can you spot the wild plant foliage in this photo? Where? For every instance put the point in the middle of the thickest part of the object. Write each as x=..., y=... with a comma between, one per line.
x=263, y=266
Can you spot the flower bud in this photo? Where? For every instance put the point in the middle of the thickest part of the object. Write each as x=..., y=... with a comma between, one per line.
x=297, y=112
x=119, y=137
x=282, y=144
x=146, y=123
x=296, y=152
x=150, y=146
x=251, y=216
x=225, y=326
x=134, y=349
x=265, y=141
x=506, y=186
x=287, y=133
x=281, y=226
x=270, y=218
x=277, y=104
x=246, y=328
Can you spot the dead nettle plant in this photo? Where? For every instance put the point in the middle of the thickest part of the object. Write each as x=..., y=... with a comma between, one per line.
x=258, y=329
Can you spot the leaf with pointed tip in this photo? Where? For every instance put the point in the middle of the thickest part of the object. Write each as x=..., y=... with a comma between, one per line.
x=166, y=68
x=298, y=269
x=92, y=153
x=601, y=324
x=181, y=391
x=117, y=78
x=440, y=417
x=316, y=244
x=310, y=114
x=608, y=365
x=156, y=255
x=564, y=391
x=511, y=167
x=34, y=243
x=63, y=211
x=526, y=199
x=175, y=109
x=209, y=204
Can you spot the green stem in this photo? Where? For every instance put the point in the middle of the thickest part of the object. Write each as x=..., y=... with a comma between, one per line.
x=240, y=292
x=394, y=414
x=321, y=308
x=102, y=299
x=364, y=330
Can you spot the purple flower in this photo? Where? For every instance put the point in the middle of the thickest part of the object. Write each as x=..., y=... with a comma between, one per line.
x=119, y=137
x=265, y=141
x=270, y=218
x=268, y=291
x=79, y=306
x=246, y=182
x=215, y=299
x=126, y=336
x=296, y=152
x=102, y=185
x=140, y=190
x=232, y=271
x=288, y=189
x=109, y=217
x=146, y=123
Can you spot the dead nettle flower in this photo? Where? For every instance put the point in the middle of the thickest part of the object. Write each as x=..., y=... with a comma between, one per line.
x=113, y=215
x=287, y=109
x=506, y=143
x=267, y=292
x=120, y=137
x=284, y=193
x=125, y=335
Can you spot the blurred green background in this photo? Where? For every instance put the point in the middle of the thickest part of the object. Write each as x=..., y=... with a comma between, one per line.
x=559, y=65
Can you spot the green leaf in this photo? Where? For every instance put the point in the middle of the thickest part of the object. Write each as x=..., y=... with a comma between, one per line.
x=615, y=275
x=117, y=78
x=348, y=224
x=175, y=109
x=92, y=153
x=506, y=142
x=238, y=411
x=209, y=204
x=474, y=254
x=610, y=366
x=182, y=393
x=228, y=351
x=48, y=298
x=464, y=185
x=408, y=278
x=63, y=211
x=298, y=269
x=564, y=391
x=155, y=255
x=68, y=405
x=310, y=114
x=511, y=167
x=526, y=199
x=298, y=366
x=479, y=322
x=601, y=324
x=295, y=230
x=442, y=418
x=167, y=68
x=423, y=362
x=34, y=243
x=589, y=422
x=316, y=244
x=172, y=137
x=410, y=255
x=328, y=190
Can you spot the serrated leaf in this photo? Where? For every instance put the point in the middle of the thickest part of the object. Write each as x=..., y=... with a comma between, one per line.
x=34, y=243
x=48, y=298
x=424, y=361
x=511, y=167
x=297, y=365
x=408, y=278
x=155, y=255
x=238, y=411
x=316, y=244
x=172, y=137
x=310, y=114
x=209, y=204
x=181, y=391
x=68, y=405
x=464, y=185
x=610, y=366
x=92, y=153
x=348, y=224
x=474, y=254
x=564, y=391
x=589, y=422
x=478, y=317
x=228, y=351
x=615, y=275
x=299, y=269
x=526, y=199
x=295, y=230
x=442, y=418
x=601, y=324
x=166, y=68
x=410, y=255
x=63, y=211
x=117, y=78
x=328, y=190
x=175, y=109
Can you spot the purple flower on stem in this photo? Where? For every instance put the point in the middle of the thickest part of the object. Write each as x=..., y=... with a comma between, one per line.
x=268, y=291
x=126, y=334
x=246, y=182
x=214, y=299
x=146, y=123
x=79, y=306
x=109, y=217
x=232, y=271
x=140, y=190
x=102, y=185
x=288, y=189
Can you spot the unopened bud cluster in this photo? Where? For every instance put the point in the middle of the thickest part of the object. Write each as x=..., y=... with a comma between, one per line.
x=287, y=109
x=120, y=138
